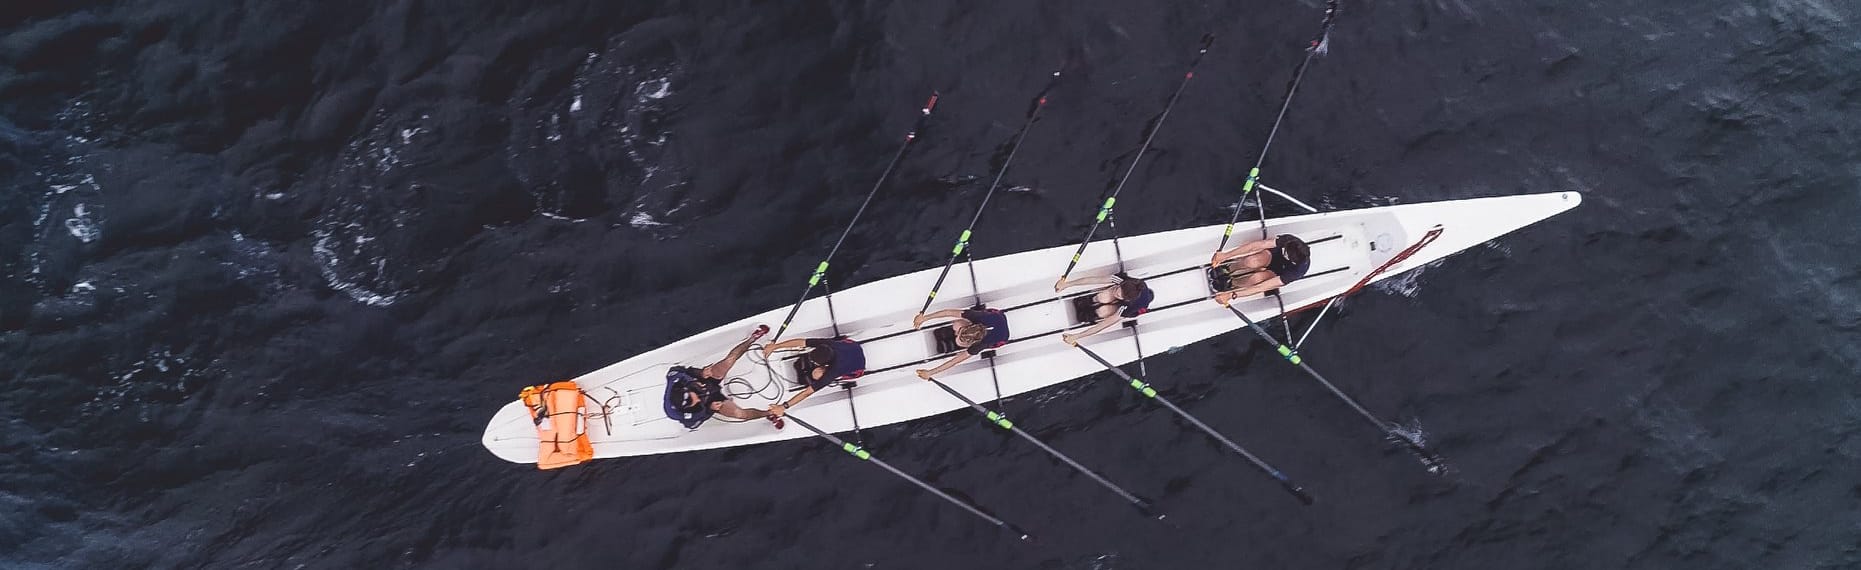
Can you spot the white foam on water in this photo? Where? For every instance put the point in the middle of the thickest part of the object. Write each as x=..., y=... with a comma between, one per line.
x=254, y=260
x=1107, y=561
x=611, y=108
x=331, y=257
x=328, y=261
x=1408, y=283
x=81, y=226
x=644, y=220
x=382, y=146
x=70, y=186
x=345, y=242
x=660, y=88
x=159, y=371
x=83, y=181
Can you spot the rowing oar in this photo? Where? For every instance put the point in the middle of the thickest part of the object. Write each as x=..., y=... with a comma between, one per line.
x=962, y=240
x=821, y=270
x=1317, y=47
x=1002, y=421
x=1150, y=392
x=1112, y=199
x=1429, y=458
x=862, y=454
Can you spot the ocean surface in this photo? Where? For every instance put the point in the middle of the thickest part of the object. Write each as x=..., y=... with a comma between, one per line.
x=270, y=267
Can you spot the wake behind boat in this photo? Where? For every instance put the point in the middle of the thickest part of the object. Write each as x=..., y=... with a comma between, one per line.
x=1349, y=249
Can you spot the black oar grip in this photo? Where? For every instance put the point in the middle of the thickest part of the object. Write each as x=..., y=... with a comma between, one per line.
x=1297, y=491
x=1022, y=533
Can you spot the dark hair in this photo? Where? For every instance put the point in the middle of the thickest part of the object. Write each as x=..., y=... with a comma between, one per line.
x=1294, y=249
x=1130, y=288
x=822, y=355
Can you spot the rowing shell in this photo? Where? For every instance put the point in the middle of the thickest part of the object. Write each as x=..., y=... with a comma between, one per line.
x=1349, y=249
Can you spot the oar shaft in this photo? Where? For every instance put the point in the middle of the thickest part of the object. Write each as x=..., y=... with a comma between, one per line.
x=1293, y=356
x=1253, y=175
x=862, y=454
x=1112, y=199
x=1002, y=421
x=821, y=269
x=1429, y=457
x=1144, y=388
x=962, y=240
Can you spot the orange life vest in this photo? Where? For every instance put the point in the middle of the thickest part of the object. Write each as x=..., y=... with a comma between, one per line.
x=561, y=416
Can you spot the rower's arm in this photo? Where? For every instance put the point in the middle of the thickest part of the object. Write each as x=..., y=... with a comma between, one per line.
x=1099, y=280
x=785, y=345
x=1257, y=288
x=961, y=356
x=943, y=314
x=798, y=397
x=1243, y=250
x=1103, y=324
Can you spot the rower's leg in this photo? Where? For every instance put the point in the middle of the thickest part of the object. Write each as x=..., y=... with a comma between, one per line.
x=1245, y=285
x=731, y=409
x=721, y=368
x=1266, y=282
x=1258, y=260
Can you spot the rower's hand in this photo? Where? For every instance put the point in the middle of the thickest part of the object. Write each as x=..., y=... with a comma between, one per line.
x=1059, y=285
x=1070, y=340
x=917, y=322
x=925, y=374
x=778, y=410
x=1214, y=260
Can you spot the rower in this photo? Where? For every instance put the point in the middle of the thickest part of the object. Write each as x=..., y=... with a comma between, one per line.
x=977, y=328
x=693, y=395
x=1126, y=298
x=1258, y=266
x=828, y=361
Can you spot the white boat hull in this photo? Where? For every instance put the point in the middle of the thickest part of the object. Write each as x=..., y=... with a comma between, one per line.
x=879, y=314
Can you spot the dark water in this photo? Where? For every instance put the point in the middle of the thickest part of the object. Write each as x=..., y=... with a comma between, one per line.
x=270, y=268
